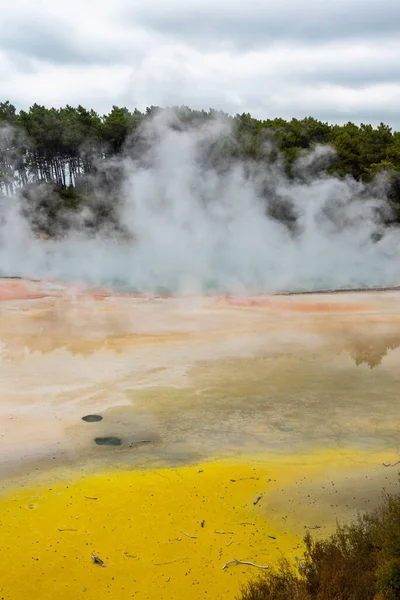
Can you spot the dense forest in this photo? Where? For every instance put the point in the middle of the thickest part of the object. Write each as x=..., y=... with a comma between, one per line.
x=62, y=151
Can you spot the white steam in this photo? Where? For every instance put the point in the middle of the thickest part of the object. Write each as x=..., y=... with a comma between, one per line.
x=201, y=228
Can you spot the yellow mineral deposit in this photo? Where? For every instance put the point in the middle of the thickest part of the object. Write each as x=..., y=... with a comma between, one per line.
x=220, y=431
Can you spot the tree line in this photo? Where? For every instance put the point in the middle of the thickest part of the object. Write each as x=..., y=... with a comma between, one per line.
x=65, y=147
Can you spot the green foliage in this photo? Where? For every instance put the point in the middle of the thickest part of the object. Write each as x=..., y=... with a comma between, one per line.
x=360, y=561
x=71, y=199
x=7, y=112
x=64, y=147
x=117, y=126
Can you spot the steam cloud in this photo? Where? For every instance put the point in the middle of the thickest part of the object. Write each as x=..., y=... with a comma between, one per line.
x=202, y=227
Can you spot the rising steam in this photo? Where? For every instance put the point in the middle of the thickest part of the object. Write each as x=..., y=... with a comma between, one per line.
x=213, y=226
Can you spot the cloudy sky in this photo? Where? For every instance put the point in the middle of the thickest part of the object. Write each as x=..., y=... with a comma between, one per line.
x=337, y=60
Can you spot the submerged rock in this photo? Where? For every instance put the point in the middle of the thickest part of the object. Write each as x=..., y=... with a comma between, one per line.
x=92, y=418
x=108, y=441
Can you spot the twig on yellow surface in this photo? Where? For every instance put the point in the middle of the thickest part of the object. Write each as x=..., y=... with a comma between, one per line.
x=257, y=500
x=235, y=561
x=313, y=527
x=244, y=479
x=193, y=537
x=89, y=498
x=130, y=555
x=225, y=532
x=98, y=560
x=391, y=464
x=67, y=529
x=230, y=542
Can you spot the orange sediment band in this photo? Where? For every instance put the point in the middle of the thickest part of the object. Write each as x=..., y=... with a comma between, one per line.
x=275, y=303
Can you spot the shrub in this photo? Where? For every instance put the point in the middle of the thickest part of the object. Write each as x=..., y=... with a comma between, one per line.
x=360, y=561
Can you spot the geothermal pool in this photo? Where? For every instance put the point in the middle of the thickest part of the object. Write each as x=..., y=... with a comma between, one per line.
x=234, y=424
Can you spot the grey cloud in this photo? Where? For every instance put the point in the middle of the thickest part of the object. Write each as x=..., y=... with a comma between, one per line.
x=167, y=47
x=354, y=77
x=50, y=41
x=255, y=25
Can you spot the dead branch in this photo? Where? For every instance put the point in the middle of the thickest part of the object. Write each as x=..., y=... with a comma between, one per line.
x=193, y=537
x=225, y=532
x=313, y=527
x=235, y=561
x=272, y=537
x=391, y=464
x=244, y=479
x=89, y=498
x=257, y=500
x=139, y=442
x=98, y=560
x=66, y=529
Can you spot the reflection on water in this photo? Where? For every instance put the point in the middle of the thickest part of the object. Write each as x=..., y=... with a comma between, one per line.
x=372, y=352
x=196, y=379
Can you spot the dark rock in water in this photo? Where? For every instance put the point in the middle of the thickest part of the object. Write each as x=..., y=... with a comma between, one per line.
x=92, y=418
x=108, y=441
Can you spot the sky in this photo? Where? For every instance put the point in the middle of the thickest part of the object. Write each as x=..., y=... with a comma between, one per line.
x=336, y=61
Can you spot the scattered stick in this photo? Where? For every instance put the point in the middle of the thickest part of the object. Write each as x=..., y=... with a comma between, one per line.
x=246, y=523
x=67, y=529
x=89, y=498
x=98, y=561
x=202, y=523
x=130, y=555
x=235, y=561
x=230, y=542
x=257, y=500
x=244, y=479
x=225, y=532
x=193, y=537
x=391, y=464
x=313, y=527
x=272, y=537
x=139, y=442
